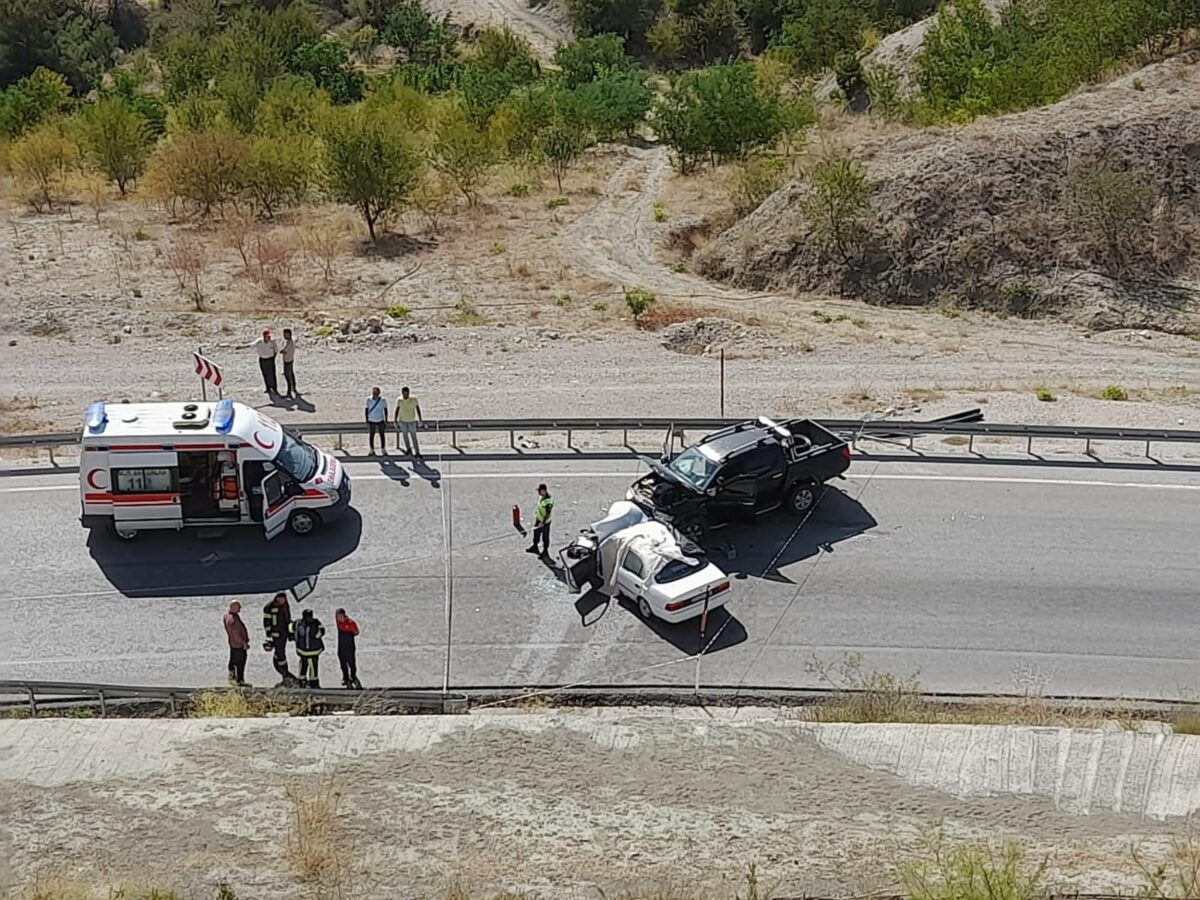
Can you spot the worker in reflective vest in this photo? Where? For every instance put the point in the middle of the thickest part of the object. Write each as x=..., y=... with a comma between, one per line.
x=541, y=521
x=309, y=647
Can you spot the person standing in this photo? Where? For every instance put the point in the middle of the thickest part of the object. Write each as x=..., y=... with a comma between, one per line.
x=277, y=625
x=288, y=355
x=267, y=349
x=408, y=414
x=309, y=647
x=239, y=643
x=347, y=630
x=376, y=410
x=541, y=521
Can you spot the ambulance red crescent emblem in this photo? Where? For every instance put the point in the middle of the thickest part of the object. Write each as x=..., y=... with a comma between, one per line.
x=261, y=443
x=91, y=479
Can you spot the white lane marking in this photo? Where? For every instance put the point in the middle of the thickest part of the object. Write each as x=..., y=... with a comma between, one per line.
x=970, y=479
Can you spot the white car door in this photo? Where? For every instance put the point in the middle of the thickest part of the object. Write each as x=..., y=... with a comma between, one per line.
x=629, y=576
x=277, y=504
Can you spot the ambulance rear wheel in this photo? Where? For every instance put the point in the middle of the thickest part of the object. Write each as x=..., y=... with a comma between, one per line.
x=304, y=521
x=125, y=534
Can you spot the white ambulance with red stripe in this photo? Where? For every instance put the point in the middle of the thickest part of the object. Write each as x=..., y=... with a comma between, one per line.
x=169, y=465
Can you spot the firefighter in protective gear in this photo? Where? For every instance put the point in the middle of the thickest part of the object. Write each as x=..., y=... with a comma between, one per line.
x=309, y=647
x=277, y=625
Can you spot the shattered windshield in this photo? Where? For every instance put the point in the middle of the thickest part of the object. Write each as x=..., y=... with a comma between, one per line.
x=296, y=458
x=694, y=468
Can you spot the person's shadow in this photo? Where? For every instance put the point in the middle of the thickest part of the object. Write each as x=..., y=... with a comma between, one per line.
x=391, y=467
x=296, y=403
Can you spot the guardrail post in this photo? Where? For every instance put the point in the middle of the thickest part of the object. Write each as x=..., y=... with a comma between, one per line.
x=50, y=447
x=970, y=443
x=32, y=703
x=569, y=447
x=1029, y=445
x=1148, y=456
x=174, y=708
x=338, y=446
x=625, y=438
x=1087, y=447
x=512, y=439
x=103, y=705
x=454, y=440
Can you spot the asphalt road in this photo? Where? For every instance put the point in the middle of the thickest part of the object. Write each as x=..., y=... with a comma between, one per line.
x=983, y=578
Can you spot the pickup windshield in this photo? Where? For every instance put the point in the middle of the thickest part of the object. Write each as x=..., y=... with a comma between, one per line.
x=296, y=458
x=694, y=468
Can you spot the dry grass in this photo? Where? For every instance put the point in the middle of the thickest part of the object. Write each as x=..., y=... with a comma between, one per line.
x=660, y=315
x=234, y=704
x=318, y=849
x=1186, y=721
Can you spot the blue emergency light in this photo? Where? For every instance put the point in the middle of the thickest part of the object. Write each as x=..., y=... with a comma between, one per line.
x=223, y=416
x=95, y=418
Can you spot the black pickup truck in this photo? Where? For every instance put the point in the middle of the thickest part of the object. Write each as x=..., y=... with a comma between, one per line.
x=741, y=471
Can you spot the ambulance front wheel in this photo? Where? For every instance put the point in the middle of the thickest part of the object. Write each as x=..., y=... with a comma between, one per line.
x=125, y=534
x=304, y=521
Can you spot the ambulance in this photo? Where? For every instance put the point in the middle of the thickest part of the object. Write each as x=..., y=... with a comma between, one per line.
x=150, y=466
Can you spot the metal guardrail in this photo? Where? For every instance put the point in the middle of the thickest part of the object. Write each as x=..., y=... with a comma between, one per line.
x=38, y=693
x=853, y=430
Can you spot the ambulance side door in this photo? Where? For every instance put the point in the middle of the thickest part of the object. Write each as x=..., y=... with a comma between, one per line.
x=277, y=504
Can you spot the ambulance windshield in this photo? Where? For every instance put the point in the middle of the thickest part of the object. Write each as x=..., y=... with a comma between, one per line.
x=297, y=458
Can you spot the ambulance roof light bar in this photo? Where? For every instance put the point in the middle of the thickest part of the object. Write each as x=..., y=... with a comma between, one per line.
x=223, y=416
x=95, y=418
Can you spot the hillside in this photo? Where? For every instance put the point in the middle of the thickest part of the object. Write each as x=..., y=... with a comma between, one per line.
x=1085, y=210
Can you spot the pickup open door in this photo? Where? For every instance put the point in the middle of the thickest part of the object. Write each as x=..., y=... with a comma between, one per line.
x=277, y=504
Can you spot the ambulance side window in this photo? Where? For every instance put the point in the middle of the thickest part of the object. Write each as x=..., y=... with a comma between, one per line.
x=143, y=481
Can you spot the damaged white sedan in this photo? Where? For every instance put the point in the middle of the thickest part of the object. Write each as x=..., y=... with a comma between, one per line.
x=626, y=554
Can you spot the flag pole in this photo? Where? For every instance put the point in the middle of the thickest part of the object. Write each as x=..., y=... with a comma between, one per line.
x=203, y=386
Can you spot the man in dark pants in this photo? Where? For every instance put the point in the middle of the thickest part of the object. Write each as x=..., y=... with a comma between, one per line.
x=239, y=643
x=375, y=410
x=288, y=354
x=309, y=646
x=277, y=624
x=266, y=348
x=347, y=630
x=541, y=521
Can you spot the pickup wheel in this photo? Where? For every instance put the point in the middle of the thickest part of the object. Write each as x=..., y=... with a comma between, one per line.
x=644, y=609
x=802, y=498
x=693, y=531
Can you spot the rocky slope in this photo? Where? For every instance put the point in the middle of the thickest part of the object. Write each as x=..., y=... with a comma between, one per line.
x=1004, y=214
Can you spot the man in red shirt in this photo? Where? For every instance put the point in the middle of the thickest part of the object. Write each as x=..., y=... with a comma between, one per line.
x=347, y=630
x=239, y=643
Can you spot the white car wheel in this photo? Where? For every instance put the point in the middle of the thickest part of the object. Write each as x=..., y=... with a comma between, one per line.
x=125, y=534
x=644, y=609
x=303, y=522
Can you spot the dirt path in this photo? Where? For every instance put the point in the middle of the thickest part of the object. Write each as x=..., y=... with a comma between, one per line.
x=545, y=27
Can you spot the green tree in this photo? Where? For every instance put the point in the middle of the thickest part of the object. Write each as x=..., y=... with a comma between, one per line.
x=371, y=164
x=590, y=58
x=66, y=36
x=40, y=95
x=463, y=153
x=418, y=36
x=720, y=112
x=238, y=91
x=117, y=139
x=837, y=207
x=500, y=51
x=483, y=90
x=278, y=173
x=615, y=103
x=204, y=169
x=631, y=19
x=561, y=145
x=327, y=64
x=40, y=162
x=290, y=106
x=715, y=32
x=753, y=181
x=822, y=30
x=188, y=63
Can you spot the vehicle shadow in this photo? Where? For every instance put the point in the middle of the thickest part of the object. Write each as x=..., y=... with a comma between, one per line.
x=722, y=629
x=186, y=563
x=758, y=550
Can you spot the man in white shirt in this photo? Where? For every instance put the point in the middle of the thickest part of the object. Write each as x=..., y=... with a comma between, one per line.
x=376, y=411
x=288, y=355
x=267, y=349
